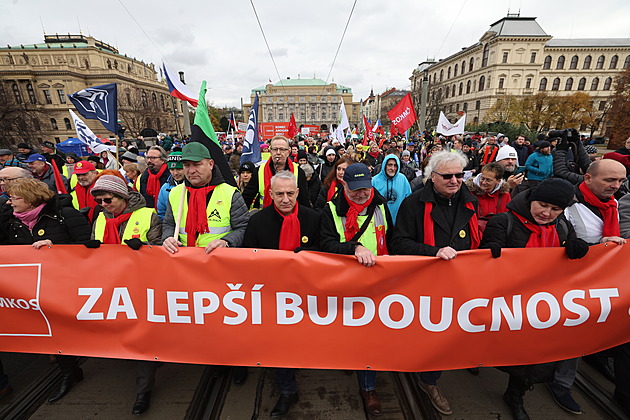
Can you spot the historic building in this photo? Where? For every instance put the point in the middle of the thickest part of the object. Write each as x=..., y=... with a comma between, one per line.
x=35, y=79
x=517, y=57
x=312, y=101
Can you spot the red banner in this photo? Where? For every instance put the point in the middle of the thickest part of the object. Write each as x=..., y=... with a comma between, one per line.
x=403, y=115
x=233, y=306
x=293, y=130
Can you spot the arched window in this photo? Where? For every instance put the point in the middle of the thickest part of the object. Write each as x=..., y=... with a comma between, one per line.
x=547, y=63
x=543, y=84
x=556, y=84
x=626, y=63
x=471, y=65
x=154, y=98
x=109, y=63
x=560, y=63
x=486, y=53
x=86, y=63
x=464, y=66
x=439, y=94
x=482, y=83
x=587, y=62
x=434, y=76
x=145, y=102
x=448, y=73
x=607, y=83
x=461, y=88
x=574, y=62
x=595, y=83
x=613, y=62
x=116, y=64
x=446, y=91
x=53, y=124
x=66, y=121
x=158, y=123
x=455, y=70
x=569, y=84
x=16, y=93
x=600, y=62
x=468, y=87
x=31, y=93
x=148, y=122
x=453, y=90
x=582, y=83
x=441, y=75
x=163, y=103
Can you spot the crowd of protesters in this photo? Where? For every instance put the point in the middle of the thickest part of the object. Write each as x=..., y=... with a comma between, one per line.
x=426, y=195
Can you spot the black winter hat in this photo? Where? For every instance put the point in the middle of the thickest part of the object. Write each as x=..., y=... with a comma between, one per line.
x=543, y=144
x=302, y=155
x=556, y=191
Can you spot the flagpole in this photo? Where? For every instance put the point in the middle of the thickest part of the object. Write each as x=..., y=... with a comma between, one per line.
x=178, y=220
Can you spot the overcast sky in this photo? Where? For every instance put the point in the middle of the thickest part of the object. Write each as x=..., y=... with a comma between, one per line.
x=220, y=41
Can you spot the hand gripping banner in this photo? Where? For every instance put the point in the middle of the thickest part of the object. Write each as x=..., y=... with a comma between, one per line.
x=313, y=310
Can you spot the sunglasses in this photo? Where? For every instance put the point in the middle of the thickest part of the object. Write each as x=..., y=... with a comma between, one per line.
x=449, y=176
x=104, y=200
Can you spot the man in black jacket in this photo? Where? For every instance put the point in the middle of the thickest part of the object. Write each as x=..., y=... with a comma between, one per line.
x=438, y=220
x=274, y=227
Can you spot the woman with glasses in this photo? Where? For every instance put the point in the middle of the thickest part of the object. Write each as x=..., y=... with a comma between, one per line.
x=35, y=216
x=492, y=192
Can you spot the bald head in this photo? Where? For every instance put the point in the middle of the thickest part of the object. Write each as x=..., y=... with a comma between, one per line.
x=10, y=174
x=605, y=165
x=604, y=177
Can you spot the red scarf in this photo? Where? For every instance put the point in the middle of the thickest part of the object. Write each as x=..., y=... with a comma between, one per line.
x=541, y=236
x=429, y=228
x=609, y=211
x=267, y=200
x=197, y=219
x=85, y=199
x=154, y=185
x=374, y=154
x=352, y=225
x=290, y=231
x=493, y=150
x=112, y=225
x=332, y=190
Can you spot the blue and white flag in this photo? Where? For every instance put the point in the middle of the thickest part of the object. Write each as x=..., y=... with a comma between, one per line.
x=251, y=145
x=88, y=137
x=98, y=103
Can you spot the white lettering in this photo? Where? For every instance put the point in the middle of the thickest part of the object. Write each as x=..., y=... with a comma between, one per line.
x=200, y=309
x=604, y=296
x=331, y=313
x=84, y=313
x=514, y=319
x=230, y=305
x=425, y=314
x=174, y=307
x=532, y=314
x=582, y=312
x=121, y=303
x=288, y=302
x=408, y=311
x=463, y=315
x=348, y=311
x=151, y=316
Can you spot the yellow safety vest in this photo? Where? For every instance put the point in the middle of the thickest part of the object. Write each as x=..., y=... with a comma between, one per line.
x=218, y=211
x=368, y=239
x=261, y=179
x=137, y=226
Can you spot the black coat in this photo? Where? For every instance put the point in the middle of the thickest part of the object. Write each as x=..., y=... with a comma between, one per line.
x=263, y=229
x=58, y=221
x=409, y=231
x=144, y=178
x=330, y=241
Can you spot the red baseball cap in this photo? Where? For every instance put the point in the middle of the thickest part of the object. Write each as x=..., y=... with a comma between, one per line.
x=83, y=167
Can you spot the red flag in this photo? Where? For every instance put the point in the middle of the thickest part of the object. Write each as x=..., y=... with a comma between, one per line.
x=61, y=187
x=368, y=135
x=403, y=115
x=293, y=131
x=392, y=130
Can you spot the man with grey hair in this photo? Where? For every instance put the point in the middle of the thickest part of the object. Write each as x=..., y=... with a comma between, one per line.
x=438, y=220
x=284, y=225
x=8, y=175
x=155, y=176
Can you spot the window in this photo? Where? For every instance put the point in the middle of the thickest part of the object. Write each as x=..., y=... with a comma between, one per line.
x=471, y=65
x=66, y=121
x=53, y=124
x=600, y=62
x=453, y=90
x=505, y=57
x=532, y=58
x=587, y=62
x=465, y=106
x=109, y=64
x=486, y=53
x=450, y=109
x=62, y=96
x=607, y=83
x=154, y=98
x=595, y=83
x=128, y=98
x=16, y=93
x=543, y=84
x=455, y=70
x=461, y=88
x=464, y=65
x=434, y=76
x=626, y=63
x=528, y=83
x=439, y=94
x=501, y=81
x=602, y=105
x=36, y=125
x=456, y=107
x=281, y=116
x=560, y=63
x=148, y=122
x=569, y=84
x=31, y=93
x=446, y=92
x=477, y=104
x=468, y=87
x=163, y=102
x=47, y=96
x=482, y=83
x=448, y=73
x=158, y=122
x=613, y=62
x=556, y=84
x=574, y=62
x=143, y=97
x=547, y=63
x=441, y=75
x=582, y=83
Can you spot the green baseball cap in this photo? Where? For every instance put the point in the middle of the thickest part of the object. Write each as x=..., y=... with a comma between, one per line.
x=175, y=161
x=195, y=152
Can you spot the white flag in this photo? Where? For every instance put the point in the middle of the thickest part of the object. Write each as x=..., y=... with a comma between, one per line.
x=445, y=127
x=88, y=137
x=342, y=124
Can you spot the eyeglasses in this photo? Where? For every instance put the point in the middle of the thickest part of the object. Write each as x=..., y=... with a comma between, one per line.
x=107, y=200
x=8, y=179
x=446, y=177
x=279, y=149
x=153, y=157
x=14, y=198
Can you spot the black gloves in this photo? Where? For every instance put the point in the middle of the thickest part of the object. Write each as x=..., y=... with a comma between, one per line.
x=494, y=247
x=92, y=243
x=134, y=243
x=576, y=248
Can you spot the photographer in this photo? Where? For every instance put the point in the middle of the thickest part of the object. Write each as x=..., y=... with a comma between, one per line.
x=570, y=159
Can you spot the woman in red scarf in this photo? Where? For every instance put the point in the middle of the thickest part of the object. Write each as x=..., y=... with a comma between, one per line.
x=535, y=219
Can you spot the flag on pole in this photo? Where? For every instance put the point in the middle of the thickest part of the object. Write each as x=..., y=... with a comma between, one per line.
x=251, y=145
x=368, y=134
x=98, y=103
x=293, y=130
x=233, y=121
x=445, y=127
x=203, y=132
x=177, y=88
x=59, y=184
x=342, y=124
x=378, y=128
x=403, y=115
x=85, y=135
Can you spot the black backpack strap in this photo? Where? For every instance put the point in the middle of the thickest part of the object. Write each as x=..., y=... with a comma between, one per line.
x=366, y=223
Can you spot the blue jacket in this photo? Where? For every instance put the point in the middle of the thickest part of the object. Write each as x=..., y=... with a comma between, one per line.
x=539, y=166
x=163, y=196
x=394, y=189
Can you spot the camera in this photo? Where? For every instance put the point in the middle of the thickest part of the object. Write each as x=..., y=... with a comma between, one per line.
x=569, y=134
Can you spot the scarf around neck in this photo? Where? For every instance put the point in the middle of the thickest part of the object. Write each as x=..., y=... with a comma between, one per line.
x=85, y=199
x=290, y=230
x=542, y=236
x=354, y=209
x=112, y=227
x=154, y=185
x=429, y=226
x=29, y=218
x=197, y=219
x=610, y=214
x=268, y=173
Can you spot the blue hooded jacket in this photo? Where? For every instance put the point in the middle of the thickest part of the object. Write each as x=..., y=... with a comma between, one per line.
x=394, y=189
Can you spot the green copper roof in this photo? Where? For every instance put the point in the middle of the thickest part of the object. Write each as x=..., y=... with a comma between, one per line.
x=300, y=82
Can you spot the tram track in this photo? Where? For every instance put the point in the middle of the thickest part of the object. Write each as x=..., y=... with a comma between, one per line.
x=593, y=390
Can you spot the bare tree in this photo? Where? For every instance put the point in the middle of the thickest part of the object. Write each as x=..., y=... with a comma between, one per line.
x=19, y=120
